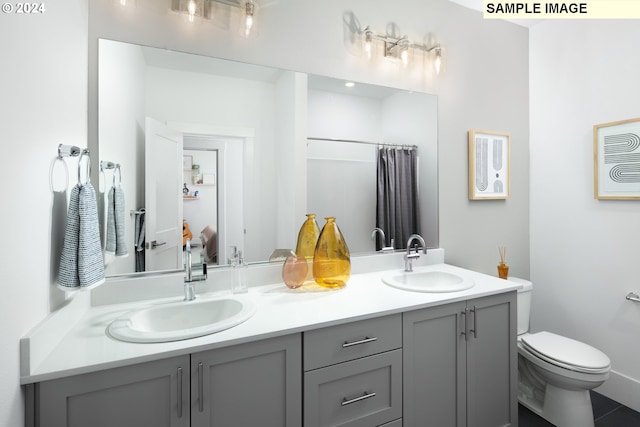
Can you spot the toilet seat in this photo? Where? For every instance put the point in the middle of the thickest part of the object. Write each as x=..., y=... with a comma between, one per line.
x=566, y=353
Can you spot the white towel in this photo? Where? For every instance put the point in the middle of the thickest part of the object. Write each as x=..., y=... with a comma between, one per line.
x=81, y=262
x=115, y=244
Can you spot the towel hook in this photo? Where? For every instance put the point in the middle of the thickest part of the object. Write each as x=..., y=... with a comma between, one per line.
x=68, y=151
x=84, y=153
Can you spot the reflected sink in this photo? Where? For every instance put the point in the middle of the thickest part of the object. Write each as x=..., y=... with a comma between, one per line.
x=428, y=281
x=181, y=320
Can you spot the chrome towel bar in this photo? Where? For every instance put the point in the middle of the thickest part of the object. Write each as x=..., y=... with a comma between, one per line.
x=632, y=296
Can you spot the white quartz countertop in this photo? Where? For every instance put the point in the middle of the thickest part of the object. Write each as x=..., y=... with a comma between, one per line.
x=279, y=311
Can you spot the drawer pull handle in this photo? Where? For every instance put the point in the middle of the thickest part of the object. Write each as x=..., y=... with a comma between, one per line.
x=200, y=387
x=179, y=392
x=364, y=341
x=366, y=395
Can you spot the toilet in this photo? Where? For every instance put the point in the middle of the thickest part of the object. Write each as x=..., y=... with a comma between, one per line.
x=555, y=373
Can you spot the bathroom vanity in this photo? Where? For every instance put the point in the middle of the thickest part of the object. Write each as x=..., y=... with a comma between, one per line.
x=366, y=355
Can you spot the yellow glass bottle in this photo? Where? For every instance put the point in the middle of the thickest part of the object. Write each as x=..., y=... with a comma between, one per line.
x=308, y=237
x=331, y=261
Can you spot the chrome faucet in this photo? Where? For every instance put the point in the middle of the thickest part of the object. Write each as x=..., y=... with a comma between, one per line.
x=384, y=239
x=409, y=257
x=189, y=285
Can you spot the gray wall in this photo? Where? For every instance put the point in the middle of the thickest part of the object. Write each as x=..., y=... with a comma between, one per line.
x=483, y=85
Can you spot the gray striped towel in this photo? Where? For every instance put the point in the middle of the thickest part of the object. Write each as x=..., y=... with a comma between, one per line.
x=81, y=262
x=115, y=223
x=139, y=240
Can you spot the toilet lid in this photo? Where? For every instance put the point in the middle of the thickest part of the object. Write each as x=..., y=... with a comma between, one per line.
x=566, y=352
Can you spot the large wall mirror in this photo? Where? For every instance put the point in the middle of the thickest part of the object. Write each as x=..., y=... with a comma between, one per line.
x=236, y=154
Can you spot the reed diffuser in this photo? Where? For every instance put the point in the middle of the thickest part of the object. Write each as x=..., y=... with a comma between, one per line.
x=503, y=268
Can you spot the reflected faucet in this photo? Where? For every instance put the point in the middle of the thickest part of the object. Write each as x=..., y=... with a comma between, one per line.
x=189, y=285
x=384, y=239
x=409, y=257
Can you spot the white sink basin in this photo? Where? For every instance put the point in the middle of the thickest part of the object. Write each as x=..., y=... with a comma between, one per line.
x=181, y=320
x=428, y=281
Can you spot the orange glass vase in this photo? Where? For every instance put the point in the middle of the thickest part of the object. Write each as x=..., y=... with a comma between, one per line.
x=308, y=237
x=331, y=260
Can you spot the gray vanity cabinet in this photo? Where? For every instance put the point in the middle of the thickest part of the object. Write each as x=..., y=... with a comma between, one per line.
x=253, y=384
x=149, y=394
x=460, y=364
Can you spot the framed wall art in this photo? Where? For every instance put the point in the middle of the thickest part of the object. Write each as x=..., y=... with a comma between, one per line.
x=489, y=165
x=616, y=154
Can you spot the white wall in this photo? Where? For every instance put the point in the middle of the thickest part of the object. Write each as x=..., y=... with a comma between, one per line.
x=43, y=82
x=584, y=252
x=484, y=84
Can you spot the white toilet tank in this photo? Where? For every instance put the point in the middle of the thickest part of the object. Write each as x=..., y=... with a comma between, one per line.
x=524, y=303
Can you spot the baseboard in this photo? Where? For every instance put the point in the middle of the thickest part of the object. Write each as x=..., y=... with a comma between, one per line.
x=622, y=389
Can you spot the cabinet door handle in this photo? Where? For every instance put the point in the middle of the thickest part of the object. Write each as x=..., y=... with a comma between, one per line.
x=366, y=395
x=179, y=392
x=475, y=321
x=364, y=341
x=200, y=387
x=465, y=330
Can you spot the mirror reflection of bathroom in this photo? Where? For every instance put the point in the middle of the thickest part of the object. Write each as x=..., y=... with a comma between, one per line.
x=207, y=195
x=200, y=204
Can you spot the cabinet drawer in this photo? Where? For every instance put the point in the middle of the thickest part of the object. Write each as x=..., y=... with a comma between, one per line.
x=336, y=344
x=360, y=393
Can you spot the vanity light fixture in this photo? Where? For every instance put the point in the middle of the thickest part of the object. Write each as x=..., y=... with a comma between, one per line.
x=204, y=9
x=398, y=48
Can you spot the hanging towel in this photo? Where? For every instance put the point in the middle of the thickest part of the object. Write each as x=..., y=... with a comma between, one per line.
x=139, y=240
x=81, y=262
x=115, y=223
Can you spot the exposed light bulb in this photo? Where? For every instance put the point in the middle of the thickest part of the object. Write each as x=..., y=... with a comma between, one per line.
x=249, y=9
x=438, y=61
x=368, y=41
x=403, y=45
x=191, y=8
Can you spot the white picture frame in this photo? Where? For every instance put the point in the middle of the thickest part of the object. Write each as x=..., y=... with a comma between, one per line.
x=489, y=165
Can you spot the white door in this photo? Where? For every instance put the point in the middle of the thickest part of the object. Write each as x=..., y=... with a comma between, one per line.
x=163, y=197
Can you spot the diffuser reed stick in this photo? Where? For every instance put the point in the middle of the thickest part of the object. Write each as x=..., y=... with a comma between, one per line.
x=503, y=253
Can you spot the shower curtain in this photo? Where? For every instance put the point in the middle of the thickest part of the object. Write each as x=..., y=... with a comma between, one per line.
x=397, y=195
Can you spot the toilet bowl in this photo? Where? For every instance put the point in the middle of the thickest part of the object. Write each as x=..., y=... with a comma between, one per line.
x=555, y=373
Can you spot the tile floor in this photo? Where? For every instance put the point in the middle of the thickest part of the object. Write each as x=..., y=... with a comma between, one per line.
x=606, y=413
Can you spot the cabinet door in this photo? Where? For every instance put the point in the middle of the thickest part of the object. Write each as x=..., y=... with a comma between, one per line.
x=492, y=371
x=434, y=367
x=252, y=384
x=148, y=394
